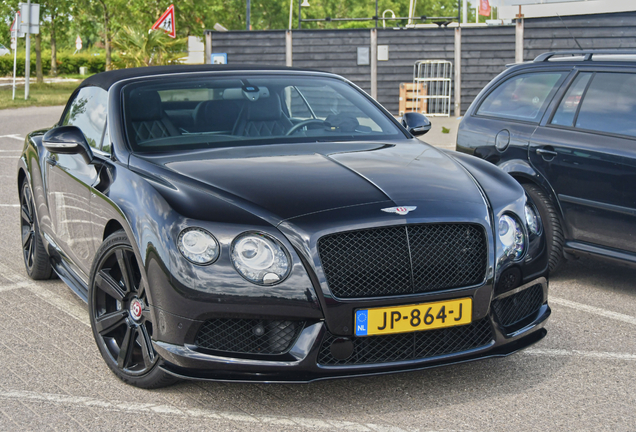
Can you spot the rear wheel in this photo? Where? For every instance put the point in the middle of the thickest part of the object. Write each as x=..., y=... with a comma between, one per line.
x=551, y=223
x=36, y=260
x=120, y=315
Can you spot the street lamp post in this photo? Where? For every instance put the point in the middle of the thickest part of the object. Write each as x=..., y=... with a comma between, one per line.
x=304, y=3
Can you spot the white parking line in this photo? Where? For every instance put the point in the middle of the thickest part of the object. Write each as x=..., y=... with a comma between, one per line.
x=78, y=312
x=14, y=136
x=131, y=407
x=10, y=151
x=9, y=205
x=593, y=310
x=578, y=353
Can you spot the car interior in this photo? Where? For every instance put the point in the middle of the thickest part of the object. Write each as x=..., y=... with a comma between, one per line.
x=169, y=115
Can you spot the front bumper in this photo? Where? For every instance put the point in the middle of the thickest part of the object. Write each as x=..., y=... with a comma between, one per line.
x=512, y=321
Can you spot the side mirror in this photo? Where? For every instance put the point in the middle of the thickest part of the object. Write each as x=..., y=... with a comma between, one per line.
x=67, y=140
x=416, y=123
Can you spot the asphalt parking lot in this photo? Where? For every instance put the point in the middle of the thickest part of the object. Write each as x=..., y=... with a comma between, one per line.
x=582, y=376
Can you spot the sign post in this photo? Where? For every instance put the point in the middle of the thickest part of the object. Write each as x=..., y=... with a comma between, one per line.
x=27, y=63
x=30, y=24
x=14, y=45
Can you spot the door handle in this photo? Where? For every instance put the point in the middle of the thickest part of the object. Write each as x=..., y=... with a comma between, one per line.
x=51, y=161
x=547, y=154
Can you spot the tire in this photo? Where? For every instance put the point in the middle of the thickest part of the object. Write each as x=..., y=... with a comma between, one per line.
x=551, y=223
x=36, y=260
x=120, y=316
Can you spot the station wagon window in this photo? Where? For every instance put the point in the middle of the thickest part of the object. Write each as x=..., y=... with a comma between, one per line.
x=569, y=105
x=88, y=112
x=522, y=97
x=609, y=104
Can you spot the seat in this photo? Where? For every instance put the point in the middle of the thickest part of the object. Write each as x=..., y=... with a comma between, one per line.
x=147, y=117
x=216, y=116
x=263, y=118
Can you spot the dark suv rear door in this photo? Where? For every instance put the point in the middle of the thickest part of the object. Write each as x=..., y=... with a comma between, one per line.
x=586, y=152
x=509, y=114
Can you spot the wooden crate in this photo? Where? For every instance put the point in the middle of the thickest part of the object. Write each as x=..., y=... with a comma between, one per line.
x=408, y=98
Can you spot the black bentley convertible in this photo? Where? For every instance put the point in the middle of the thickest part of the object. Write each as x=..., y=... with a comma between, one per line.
x=273, y=224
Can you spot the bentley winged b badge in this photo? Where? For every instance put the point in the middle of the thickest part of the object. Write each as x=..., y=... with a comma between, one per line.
x=399, y=210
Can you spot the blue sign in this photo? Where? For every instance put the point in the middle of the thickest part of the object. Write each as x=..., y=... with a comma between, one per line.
x=218, y=58
x=362, y=318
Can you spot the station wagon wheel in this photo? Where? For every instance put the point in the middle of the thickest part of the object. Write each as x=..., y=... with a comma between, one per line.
x=553, y=228
x=120, y=315
x=36, y=260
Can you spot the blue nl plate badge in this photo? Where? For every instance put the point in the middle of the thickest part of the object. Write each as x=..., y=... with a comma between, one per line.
x=362, y=322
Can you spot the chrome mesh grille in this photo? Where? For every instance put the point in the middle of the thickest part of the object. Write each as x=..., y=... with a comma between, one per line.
x=403, y=259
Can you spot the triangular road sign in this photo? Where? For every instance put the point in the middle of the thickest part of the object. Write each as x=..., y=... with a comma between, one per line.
x=166, y=22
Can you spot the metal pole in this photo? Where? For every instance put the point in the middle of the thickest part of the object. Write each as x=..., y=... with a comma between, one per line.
x=410, y=21
x=299, y=9
x=249, y=7
x=16, y=26
x=376, y=13
x=291, y=12
x=288, y=48
x=458, y=72
x=27, y=64
x=374, y=64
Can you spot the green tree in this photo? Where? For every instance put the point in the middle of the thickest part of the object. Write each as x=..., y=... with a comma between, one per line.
x=138, y=47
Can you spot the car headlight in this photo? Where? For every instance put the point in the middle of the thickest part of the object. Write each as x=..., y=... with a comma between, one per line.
x=532, y=220
x=512, y=237
x=260, y=259
x=198, y=246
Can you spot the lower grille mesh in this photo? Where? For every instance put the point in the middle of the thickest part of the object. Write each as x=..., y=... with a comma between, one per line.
x=249, y=336
x=410, y=346
x=513, y=309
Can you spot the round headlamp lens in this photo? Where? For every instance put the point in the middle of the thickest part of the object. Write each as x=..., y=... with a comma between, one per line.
x=532, y=220
x=198, y=246
x=260, y=259
x=511, y=237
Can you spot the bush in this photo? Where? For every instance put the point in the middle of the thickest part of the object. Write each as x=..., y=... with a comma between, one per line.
x=67, y=63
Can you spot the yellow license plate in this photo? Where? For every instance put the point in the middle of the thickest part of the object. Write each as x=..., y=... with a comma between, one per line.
x=411, y=318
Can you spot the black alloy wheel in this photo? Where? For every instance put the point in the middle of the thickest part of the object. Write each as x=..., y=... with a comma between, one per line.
x=36, y=260
x=120, y=315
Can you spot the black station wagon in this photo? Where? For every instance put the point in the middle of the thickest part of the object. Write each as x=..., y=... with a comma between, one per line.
x=564, y=126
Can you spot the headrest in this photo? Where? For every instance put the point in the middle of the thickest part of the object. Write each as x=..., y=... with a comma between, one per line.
x=264, y=109
x=217, y=114
x=144, y=105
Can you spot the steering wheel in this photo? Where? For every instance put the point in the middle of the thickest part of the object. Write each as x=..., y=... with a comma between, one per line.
x=304, y=123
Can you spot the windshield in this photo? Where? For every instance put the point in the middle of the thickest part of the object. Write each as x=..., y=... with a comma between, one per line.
x=173, y=114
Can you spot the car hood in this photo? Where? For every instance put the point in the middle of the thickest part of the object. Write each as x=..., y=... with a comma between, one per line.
x=289, y=181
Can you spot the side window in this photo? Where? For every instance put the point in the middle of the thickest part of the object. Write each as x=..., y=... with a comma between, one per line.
x=569, y=105
x=522, y=97
x=88, y=112
x=296, y=106
x=609, y=104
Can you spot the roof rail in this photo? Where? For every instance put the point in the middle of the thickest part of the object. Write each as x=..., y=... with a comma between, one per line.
x=587, y=55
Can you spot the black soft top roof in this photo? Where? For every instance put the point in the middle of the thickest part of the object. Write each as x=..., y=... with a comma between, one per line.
x=107, y=79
